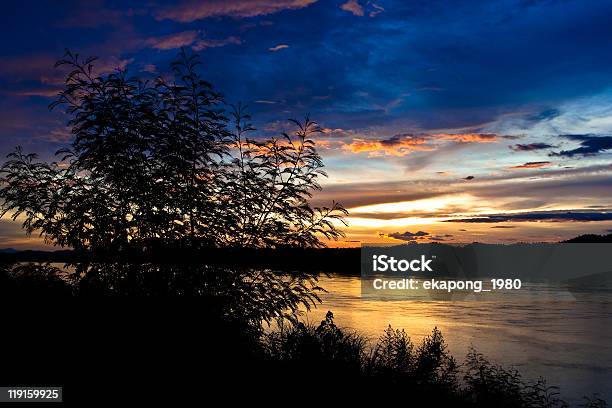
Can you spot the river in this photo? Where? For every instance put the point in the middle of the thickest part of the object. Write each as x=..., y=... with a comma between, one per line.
x=565, y=339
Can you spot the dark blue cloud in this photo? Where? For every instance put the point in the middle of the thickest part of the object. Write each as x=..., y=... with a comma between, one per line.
x=539, y=216
x=547, y=114
x=589, y=145
x=409, y=236
x=530, y=146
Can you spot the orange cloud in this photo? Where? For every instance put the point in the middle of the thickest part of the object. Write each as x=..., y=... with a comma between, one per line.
x=353, y=6
x=399, y=145
x=467, y=137
x=532, y=165
x=337, y=133
x=192, y=10
x=402, y=144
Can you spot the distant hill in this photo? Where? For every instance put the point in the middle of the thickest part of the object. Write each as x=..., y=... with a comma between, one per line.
x=590, y=238
x=9, y=255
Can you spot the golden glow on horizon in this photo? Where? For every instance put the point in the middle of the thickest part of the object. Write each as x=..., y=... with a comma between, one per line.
x=436, y=209
x=358, y=222
x=374, y=223
x=424, y=205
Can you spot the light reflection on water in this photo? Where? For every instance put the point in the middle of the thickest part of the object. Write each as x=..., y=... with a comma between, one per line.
x=568, y=342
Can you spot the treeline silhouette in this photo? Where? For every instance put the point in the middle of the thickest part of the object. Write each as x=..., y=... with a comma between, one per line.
x=591, y=238
x=333, y=260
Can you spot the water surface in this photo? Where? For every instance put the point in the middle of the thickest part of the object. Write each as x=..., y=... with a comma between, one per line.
x=566, y=339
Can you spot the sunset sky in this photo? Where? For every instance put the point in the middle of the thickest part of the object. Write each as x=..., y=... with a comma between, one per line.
x=447, y=121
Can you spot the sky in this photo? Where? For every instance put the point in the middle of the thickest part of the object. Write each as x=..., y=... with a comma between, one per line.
x=443, y=121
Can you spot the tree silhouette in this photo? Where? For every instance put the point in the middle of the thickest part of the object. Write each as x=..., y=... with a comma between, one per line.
x=193, y=140
x=155, y=161
x=270, y=183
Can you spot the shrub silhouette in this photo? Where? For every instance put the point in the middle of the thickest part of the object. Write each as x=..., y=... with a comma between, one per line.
x=324, y=348
x=393, y=354
x=488, y=384
x=427, y=373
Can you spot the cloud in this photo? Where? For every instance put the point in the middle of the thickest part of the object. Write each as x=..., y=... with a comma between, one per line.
x=407, y=236
x=525, y=190
x=27, y=67
x=530, y=147
x=171, y=41
x=440, y=238
x=590, y=145
x=574, y=215
x=532, y=165
x=402, y=144
x=353, y=7
x=107, y=65
x=34, y=75
x=189, y=38
x=467, y=137
x=278, y=47
x=213, y=43
x=376, y=10
x=414, y=237
x=398, y=145
x=337, y=133
x=149, y=68
x=94, y=15
x=12, y=236
x=191, y=10
x=545, y=115
x=59, y=135
x=38, y=91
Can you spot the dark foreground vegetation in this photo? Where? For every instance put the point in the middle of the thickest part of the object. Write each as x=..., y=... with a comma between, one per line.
x=101, y=329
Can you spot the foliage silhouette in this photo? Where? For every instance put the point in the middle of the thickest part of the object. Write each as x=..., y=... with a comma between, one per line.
x=154, y=161
x=493, y=384
x=324, y=348
x=271, y=185
x=247, y=295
